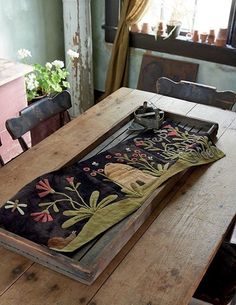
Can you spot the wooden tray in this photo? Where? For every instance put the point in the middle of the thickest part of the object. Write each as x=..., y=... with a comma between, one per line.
x=86, y=264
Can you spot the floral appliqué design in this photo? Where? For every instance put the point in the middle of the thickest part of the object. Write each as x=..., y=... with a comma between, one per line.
x=77, y=209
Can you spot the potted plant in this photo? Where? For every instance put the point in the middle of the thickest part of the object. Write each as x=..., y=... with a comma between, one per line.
x=45, y=81
x=177, y=12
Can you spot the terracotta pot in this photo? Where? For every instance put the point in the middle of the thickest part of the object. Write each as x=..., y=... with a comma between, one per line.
x=203, y=37
x=211, y=37
x=145, y=28
x=221, y=38
x=195, y=37
x=160, y=30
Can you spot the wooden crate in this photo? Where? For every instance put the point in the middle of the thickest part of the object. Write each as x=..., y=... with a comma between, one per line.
x=87, y=263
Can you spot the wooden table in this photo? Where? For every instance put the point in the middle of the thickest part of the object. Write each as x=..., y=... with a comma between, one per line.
x=167, y=263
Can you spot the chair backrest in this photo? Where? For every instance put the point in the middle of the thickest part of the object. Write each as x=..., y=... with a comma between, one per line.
x=197, y=93
x=153, y=67
x=36, y=113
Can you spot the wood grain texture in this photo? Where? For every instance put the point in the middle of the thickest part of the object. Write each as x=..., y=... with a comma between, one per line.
x=172, y=104
x=165, y=266
x=223, y=117
x=12, y=266
x=10, y=71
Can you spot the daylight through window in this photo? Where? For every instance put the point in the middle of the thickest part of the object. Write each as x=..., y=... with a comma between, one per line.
x=201, y=15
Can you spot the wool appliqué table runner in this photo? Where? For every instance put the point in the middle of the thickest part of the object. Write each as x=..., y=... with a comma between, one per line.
x=69, y=207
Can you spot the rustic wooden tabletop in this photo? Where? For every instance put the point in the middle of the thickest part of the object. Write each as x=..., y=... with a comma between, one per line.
x=166, y=264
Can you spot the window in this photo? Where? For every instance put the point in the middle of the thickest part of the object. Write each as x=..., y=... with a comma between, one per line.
x=202, y=15
x=196, y=14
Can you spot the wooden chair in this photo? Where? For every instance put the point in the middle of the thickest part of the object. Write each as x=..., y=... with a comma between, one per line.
x=197, y=93
x=35, y=114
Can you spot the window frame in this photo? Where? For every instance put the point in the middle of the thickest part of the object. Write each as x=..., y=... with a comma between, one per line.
x=222, y=55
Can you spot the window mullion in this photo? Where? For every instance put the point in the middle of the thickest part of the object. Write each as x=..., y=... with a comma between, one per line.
x=231, y=40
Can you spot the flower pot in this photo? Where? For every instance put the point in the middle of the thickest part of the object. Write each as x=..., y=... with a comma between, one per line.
x=146, y=28
x=173, y=30
x=203, y=37
x=221, y=38
x=195, y=36
x=211, y=37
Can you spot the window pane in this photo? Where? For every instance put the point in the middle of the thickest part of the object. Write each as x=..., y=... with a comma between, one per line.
x=212, y=14
x=201, y=15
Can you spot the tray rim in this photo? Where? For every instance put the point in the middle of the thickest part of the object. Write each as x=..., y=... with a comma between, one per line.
x=87, y=275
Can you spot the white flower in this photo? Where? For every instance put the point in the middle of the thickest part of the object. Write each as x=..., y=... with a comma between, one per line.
x=95, y=163
x=31, y=76
x=31, y=82
x=72, y=54
x=15, y=206
x=49, y=65
x=23, y=53
x=58, y=64
x=30, y=85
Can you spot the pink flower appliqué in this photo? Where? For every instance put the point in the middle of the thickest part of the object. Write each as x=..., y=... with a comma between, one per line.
x=45, y=187
x=86, y=169
x=41, y=217
x=173, y=133
x=190, y=145
x=70, y=180
x=143, y=155
x=167, y=126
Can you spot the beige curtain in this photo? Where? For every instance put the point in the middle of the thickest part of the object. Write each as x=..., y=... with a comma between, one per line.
x=117, y=73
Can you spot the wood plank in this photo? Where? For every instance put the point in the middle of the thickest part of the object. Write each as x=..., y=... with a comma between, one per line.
x=10, y=71
x=169, y=103
x=164, y=266
x=71, y=142
x=12, y=266
x=223, y=117
x=212, y=187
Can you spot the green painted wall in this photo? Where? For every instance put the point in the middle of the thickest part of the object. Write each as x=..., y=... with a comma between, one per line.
x=101, y=50
x=36, y=25
x=221, y=76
